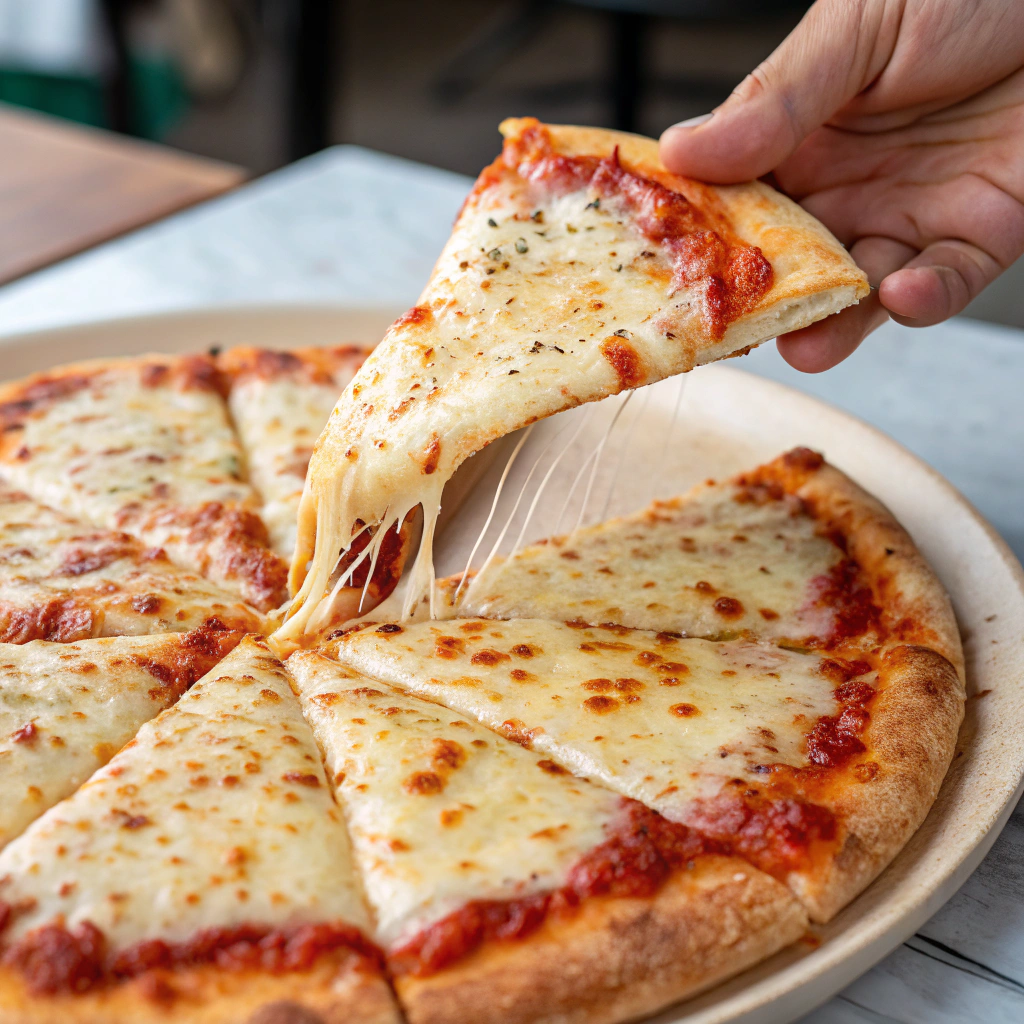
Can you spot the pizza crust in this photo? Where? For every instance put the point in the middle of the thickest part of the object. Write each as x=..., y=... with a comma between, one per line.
x=916, y=717
x=338, y=990
x=915, y=606
x=617, y=958
x=911, y=738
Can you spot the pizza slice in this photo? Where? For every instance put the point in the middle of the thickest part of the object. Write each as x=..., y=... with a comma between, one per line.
x=280, y=401
x=203, y=875
x=578, y=268
x=787, y=552
x=144, y=446
x=64, y=580
x=801, y=762
x=66, y=708
x=556, y=901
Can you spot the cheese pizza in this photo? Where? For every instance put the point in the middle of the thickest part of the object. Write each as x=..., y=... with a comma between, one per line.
x=280, y=401
x=64, y=580
x=578, y=268
x=144, y=446
x=573, y=786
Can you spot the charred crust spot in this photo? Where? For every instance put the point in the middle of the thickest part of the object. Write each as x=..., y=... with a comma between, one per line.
x=301, y=779
x=488, y=656
x=413, y=317
x=431, y=455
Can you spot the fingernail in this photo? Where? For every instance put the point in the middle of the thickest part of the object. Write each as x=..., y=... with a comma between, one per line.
x=694, y=122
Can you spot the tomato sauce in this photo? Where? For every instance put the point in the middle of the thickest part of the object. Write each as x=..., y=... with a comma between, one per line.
x=54, y=959
x=640, y=853
x=732, y=276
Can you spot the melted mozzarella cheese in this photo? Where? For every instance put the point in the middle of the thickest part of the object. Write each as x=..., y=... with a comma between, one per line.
x=217, y=815
x=66, y=709
x=279, y=418
x=679, y=565
x=661, y=720
x=148, y=458
x=418, y=785
x=534, y=306
x=106, y=583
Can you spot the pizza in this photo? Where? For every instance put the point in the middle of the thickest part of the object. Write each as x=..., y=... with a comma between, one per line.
x=61, y=579
x=788, y=701
x=202, y=874
x=280, y=401
x=144, y=446
x=573, y=786
x=577, y=268
x=67, y=708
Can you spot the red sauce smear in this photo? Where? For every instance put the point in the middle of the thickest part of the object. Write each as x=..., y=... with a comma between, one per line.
x=848, y=597
x=731, y=275
x=55, y=959
x=637, y=858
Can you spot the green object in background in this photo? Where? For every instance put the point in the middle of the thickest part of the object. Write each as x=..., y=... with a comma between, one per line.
x=158, y=95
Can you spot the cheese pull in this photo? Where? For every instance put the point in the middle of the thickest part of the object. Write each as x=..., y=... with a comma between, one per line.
x=577, y=269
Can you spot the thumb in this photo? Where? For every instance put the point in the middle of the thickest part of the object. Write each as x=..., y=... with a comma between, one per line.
x=821, y=65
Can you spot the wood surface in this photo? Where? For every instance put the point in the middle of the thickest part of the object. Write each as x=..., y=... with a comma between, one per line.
x=64, y=188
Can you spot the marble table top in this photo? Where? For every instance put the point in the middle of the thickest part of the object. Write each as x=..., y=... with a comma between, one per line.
x=358, y=228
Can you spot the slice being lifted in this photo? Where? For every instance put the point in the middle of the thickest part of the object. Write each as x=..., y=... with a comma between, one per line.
x=204, y=873
x=145, y=446
x=505, y=889
x=578, y=268
x=280, y=402
x=64, y=580
x=66, y=709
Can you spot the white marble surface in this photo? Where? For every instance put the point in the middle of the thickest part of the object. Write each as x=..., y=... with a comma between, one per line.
x=357, y=228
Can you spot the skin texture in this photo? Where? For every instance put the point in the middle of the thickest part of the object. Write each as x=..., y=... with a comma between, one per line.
x=900, y=125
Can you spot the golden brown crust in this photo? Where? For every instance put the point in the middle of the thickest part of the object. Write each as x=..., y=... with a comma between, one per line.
x=814, y=276
x=336, y=991
x=617, y=958
x=916, y=716
x=911, y=739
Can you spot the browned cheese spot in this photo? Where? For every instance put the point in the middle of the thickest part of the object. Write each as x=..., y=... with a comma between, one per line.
x=423, y=784
x=684, y=710
x=601, y=705
x=625, y=361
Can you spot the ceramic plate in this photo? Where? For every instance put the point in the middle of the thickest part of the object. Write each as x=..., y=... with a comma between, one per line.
x=613, y=457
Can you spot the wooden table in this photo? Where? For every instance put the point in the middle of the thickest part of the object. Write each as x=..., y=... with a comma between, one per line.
x=64, y=188
x=360, y=229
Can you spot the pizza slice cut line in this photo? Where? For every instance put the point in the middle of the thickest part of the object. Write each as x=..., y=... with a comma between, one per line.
x=144, y=446
x=205, y=870
x=560, y=898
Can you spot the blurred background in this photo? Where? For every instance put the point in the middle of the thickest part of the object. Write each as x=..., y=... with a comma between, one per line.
x=260, y=83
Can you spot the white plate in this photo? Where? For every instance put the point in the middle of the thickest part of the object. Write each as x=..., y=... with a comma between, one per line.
x=728, y=420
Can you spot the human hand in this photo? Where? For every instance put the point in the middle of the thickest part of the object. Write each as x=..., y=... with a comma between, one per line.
x=900, y=125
